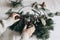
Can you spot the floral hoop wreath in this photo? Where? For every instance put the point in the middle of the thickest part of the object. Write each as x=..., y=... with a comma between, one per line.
x=39, y=17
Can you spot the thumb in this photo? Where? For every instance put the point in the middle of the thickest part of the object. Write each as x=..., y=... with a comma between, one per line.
x=25, y=27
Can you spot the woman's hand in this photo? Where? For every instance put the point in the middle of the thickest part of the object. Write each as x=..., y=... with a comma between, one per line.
x=30, y=30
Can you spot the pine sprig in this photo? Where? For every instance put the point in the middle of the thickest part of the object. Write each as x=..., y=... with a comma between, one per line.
x=15, y=3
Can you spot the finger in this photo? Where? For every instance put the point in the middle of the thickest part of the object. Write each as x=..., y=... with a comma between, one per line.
x=17, y=20
x=32, y=28
x=15, y=14
x=25, y=27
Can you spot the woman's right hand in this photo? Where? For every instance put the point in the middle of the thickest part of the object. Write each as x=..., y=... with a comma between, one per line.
x=30, y=30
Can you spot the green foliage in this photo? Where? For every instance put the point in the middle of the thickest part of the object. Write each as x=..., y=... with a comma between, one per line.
x=15, y=3
x=49, y=24
x=36, y=6
x=50, y=15
x=57, y=13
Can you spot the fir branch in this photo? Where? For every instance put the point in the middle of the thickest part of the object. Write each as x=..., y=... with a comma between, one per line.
x=15, y=3
x=51, y=15
x=57, y=13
